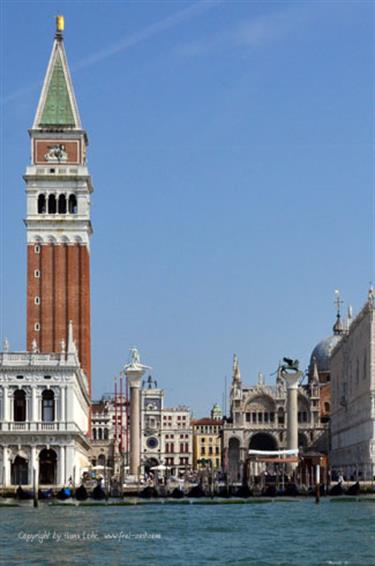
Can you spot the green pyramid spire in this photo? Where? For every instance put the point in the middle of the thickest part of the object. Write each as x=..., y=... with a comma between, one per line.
x=58, y=108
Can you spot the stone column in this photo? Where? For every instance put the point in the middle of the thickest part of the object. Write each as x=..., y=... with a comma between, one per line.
x=69, y=468
x=6, y=467
x=62, y=465
x=292, y=380
x=10, y=404
x=62, y=404
x=34, y=464
x=134, y=372
x=135, y=428
x=6, y=405
x=35, y=400
x=69, y=403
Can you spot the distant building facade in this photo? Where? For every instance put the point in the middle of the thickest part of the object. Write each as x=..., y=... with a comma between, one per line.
x=106, y=435
x=353, y=398
x=166, y=433
x=207, y=441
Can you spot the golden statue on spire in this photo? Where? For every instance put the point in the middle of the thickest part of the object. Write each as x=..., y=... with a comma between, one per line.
x=59, y=24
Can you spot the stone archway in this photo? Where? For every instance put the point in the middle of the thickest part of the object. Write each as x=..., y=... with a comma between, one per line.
x=263, y=441
x=260, y=441
x=19, y=471
x=302, y=440
x=47, y=467
x=234, y=459
x=150, y=463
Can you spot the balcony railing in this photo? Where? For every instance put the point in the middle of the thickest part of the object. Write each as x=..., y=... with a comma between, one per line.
x=39, y=427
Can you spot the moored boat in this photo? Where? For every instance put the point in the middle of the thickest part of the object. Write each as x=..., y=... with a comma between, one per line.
x=81, y=493
x=98, y=493
x=64, y=493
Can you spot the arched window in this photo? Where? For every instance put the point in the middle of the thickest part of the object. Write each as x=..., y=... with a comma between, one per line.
x=19, y=405
x=48, y=406
x=100, y=434
x=280, y=416
x=62, y=204
x=47, y=467
x=72, y=204
x=52, y=204
x=101, y=460
x=94, y=433
x=19, y=471
x=106, y=434
x=42, y=204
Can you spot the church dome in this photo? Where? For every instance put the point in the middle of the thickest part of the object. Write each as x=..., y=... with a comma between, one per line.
x=322, y=353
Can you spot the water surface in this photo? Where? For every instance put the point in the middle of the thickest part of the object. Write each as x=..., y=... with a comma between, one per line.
x=282, y=533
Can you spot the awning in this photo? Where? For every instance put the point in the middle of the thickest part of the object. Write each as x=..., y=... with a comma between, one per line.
x=290, y=452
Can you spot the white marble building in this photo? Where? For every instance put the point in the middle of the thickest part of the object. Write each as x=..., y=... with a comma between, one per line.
x=353, y=398
x=44, y=418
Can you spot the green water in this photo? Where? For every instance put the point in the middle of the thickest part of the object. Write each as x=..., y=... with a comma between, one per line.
x=293, y=533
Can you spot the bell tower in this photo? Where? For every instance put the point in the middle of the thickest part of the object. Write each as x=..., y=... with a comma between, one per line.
x=58, y=226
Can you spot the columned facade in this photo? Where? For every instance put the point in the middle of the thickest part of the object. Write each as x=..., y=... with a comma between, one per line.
x=37, y=435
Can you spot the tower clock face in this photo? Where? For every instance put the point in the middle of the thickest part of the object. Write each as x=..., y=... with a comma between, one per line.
x=152, y=442
x=152, y=404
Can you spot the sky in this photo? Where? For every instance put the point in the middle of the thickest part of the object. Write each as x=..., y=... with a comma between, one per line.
x=231, y=150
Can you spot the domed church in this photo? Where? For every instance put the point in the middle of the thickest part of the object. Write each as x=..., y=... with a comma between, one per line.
x=258, y=413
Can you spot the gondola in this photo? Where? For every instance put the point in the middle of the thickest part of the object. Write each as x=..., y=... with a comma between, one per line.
x=149, y=492
x=269, y=491
x=81, y=493
x=64, y=493
x=196, y=491
x=223, y=491
x=354, y=489
x=177, y=493
x=243, y=491
x=22, y=494
x=98, y=493
x=337, y=489
x=291, y=490
x=45, y=494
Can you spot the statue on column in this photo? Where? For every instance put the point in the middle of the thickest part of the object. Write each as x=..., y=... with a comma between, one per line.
x=290, y=368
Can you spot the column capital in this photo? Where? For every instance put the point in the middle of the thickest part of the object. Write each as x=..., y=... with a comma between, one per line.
x=292, y=379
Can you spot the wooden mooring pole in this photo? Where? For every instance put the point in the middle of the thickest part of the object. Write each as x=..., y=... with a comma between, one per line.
x=36, y=502
x=317, y=484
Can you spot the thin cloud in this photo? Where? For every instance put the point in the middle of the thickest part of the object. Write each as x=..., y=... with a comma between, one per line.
x=138, y=37
x=257, y=32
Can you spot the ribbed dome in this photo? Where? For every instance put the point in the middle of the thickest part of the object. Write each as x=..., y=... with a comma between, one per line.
x=322, y=352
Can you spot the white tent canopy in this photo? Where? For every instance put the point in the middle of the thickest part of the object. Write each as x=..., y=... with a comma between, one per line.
x=160, y=467
x=292, y=452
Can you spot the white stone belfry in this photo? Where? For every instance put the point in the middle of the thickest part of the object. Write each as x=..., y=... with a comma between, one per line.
x=134, y=372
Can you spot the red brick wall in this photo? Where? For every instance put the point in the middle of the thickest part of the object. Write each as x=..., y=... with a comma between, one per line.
x=60, y=320
x=64, y=291
x=33, y=290
x=47, y=277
